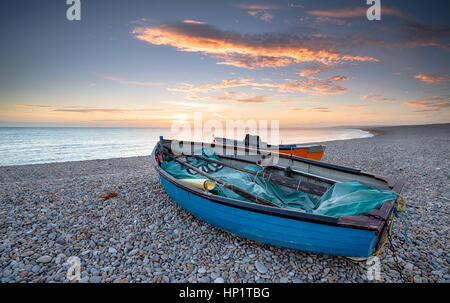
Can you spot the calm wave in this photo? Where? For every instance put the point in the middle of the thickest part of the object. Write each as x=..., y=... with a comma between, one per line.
x=20, y=146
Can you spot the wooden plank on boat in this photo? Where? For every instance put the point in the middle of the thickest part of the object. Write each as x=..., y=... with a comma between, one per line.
x=375, y=220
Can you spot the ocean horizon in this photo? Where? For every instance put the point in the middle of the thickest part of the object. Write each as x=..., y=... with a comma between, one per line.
x=37, y=145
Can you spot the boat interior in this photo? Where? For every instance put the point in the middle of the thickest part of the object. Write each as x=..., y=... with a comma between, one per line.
x=292, y=173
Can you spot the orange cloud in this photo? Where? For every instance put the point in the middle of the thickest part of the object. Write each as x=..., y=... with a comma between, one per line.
x=355, y=106
x=376, y=98
x=432, y=79
x=249, y=51
x=311, y=86
x=91, y=110
x=256, y=99
x=314, y=87
x=355, y=12
x=30, y=106
x=338, y=78
x=193, y=22
x=320, y=109
x=186, y=87
x=435, y=103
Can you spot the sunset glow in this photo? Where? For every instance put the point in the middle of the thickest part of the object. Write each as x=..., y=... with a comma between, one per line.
x=304, y=64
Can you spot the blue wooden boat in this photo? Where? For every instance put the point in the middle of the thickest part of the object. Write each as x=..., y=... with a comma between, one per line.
x=353, y=236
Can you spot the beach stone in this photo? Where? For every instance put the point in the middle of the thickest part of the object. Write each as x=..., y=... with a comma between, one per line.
x=44, y=259
x=201, y=270
x=246, y=260
x=409, y=268
x=133, y=252
x=112, y=250
x=27, y=253
x=219, y=280
x=95, y=279
x=260, y=267
x=7, y=273
x=61, y=241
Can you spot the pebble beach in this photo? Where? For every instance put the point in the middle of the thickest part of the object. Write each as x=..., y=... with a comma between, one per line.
x=51, y=212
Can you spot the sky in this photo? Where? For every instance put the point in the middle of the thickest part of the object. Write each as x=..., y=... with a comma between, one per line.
x=150, y=63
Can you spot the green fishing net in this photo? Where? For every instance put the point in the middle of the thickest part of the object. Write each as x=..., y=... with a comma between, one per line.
x=343, y=198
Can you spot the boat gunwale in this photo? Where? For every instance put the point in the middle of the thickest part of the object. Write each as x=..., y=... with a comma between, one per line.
x=272, y=147
x=376, y=220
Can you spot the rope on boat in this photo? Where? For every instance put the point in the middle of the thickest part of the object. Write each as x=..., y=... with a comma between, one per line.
x=298, y=184
x=256, y=176
x=400, y=204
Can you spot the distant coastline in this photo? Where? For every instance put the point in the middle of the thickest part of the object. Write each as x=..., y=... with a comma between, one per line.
x=27, y=146
x=37, y=145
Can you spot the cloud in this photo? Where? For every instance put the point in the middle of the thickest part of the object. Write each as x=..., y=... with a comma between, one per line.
x=355, y=12
x=314, y=109
x=257, y=7
x=435, y=103
x=259, y=11
x=247, y=51
x=266, y=17
x=128, y=82
x=91, y=110
x=314, y=87
x=179, y=104
x=417, y=34
x=376, y=98
x=193, y=22
x=86, y=109
x=240, y=97
x=321, y=109
x=141, y=21
x=411, y=35
x=338, y=78
x=230, y=83
x=432, y=79
x=296, y=6
x=256, y=99
x=318, y=69
x=334, y=21
x=30, y=106
x=311, y=86
x=355, y=106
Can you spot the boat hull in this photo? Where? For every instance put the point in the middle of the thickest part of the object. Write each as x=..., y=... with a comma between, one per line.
x=275, y=230
x=303, y=153
x=312, y=152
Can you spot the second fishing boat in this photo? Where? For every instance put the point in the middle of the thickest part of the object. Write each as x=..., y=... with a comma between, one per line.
x=313, y=152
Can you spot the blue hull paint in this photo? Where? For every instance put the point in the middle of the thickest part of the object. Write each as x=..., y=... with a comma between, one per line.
x=279, y=231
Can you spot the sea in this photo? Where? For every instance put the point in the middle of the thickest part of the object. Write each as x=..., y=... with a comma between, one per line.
x=33, y=145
